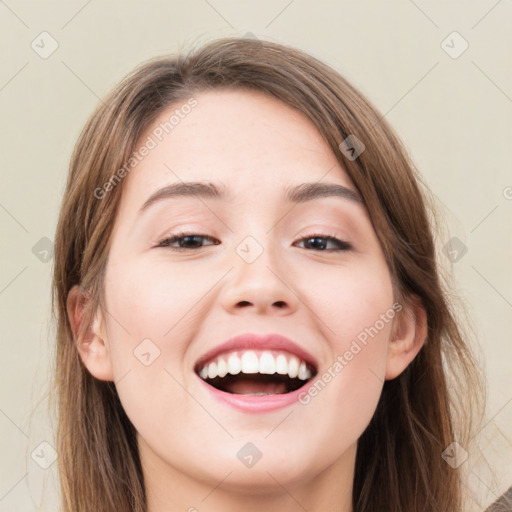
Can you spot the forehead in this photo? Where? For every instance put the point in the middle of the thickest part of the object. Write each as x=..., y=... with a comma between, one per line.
x=247, y=140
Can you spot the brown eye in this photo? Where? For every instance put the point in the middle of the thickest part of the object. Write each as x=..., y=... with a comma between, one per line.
x=320, y=242
x=185, y=241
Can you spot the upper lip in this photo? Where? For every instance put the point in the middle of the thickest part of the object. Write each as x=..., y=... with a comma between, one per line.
x=257, y=342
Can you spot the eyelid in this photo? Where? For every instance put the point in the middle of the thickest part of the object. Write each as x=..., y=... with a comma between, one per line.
x=343, y=245
x=327, y=235
x=181, y=234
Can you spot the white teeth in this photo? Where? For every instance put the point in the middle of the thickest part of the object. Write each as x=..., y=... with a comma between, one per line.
x=222, y=367
x=267, y=363
x=293, y=367
x=250, y=362
x=212, y=370
x=304, y=373
x=234, y=364
x=281, y=365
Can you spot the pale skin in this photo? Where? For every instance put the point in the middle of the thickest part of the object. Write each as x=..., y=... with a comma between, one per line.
x=188, y=301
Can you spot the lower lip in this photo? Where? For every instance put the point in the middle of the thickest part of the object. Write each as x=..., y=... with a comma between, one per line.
x=251, y=403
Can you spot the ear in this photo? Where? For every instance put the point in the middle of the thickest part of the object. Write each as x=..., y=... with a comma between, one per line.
x=408, y=336
x=90, y=340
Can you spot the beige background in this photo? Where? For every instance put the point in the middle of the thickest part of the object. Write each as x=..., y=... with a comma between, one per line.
x=454, y=115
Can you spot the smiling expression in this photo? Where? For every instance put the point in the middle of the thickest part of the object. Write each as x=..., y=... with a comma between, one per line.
x=274, y=240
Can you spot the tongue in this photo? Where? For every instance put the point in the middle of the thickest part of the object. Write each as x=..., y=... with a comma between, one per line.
x=253, y=387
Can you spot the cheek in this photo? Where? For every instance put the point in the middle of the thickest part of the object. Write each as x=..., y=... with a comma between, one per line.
x=351, y=299
x=155, y=300
x=356, y=308
x=152, y=314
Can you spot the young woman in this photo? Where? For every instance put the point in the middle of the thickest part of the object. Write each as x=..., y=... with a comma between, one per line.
x=250, y=313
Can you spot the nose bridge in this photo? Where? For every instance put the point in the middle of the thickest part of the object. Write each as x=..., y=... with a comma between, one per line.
x=258, y=278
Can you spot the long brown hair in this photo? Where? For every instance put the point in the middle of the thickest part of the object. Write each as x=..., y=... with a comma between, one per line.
x=399, y=466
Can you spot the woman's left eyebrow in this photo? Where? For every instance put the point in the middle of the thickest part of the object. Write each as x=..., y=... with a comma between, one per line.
x=309, y=191
x=296, y=194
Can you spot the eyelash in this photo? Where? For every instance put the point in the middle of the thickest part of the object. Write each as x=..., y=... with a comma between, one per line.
x=165, y=243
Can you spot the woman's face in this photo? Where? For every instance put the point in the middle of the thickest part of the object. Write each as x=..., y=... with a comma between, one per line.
x=260, y=263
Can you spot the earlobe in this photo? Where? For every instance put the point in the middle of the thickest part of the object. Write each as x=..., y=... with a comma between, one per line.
x=89, y=340
x=408, y=337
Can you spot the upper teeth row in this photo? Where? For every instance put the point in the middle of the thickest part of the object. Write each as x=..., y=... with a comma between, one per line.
x=249, y=362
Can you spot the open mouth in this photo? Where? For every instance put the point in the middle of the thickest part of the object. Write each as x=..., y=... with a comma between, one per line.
x=256, y=373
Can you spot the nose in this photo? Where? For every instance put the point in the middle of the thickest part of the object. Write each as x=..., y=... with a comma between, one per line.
x=261, y=286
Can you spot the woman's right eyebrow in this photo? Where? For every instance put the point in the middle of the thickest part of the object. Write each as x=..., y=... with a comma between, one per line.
x=187, y=189
x=295, y=194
